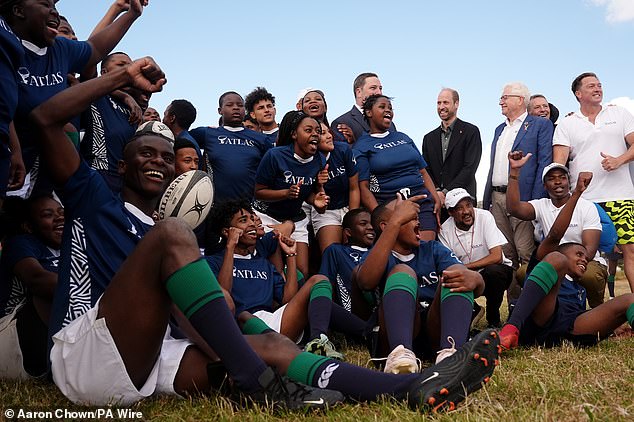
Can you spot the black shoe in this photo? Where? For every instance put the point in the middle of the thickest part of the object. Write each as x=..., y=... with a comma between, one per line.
x=280, y=391
x=444, y=385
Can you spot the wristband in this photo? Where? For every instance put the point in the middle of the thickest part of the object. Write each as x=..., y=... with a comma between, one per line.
x=513, y=177
x=288, y=255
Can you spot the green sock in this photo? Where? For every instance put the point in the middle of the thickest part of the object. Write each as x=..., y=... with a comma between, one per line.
x=629, y=314
x=255, y=326
x=193, y=286
x=303, y=367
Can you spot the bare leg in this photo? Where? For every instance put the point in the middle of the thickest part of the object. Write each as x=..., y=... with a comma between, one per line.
x=302, y=258
x=136, y=305
x=628, y=263
x=328, y=235
x=295, y=316
x=605, y=318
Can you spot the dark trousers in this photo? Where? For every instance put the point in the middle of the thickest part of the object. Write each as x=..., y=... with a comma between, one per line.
x=497, y=278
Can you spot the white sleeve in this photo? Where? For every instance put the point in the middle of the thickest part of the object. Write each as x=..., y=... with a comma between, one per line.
x=493, y=236
x=591, y=220
x=560, y=136
x=628, y=121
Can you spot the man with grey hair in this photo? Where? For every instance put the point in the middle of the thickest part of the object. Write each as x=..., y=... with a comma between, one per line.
x=539, y=106
x=520, y=132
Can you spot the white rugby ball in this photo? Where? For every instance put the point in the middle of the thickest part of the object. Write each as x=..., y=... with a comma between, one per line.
x=189, y=197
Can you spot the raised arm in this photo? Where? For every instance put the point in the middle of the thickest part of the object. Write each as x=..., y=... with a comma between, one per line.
x=561, y=223
x=516, y=207
x=56, y=150
x=104, y=41
x=369, y=274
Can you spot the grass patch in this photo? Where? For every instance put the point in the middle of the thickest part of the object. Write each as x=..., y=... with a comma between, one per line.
x=565, y=383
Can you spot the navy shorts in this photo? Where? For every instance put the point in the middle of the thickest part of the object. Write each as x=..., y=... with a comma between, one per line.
x=557, y=329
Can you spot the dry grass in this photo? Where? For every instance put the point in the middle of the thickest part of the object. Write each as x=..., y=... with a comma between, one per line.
x=559, y=384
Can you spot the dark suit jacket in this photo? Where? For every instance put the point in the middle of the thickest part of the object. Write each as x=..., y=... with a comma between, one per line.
x=463, y=157
x=357, y=123
x=535, y=136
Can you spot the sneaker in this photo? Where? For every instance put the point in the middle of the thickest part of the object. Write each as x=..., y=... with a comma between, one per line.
x=323, y=346
x=509, y=337
x=445, y=353
x=446, y=384
x=402, y=361
x=281, y=391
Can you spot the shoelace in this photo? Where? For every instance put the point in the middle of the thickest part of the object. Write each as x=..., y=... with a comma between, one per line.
x=451, y=350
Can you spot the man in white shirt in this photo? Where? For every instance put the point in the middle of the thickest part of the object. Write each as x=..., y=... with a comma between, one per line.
x=472, y=235
x=584, y=227
x=599, y=140
x=527, y=133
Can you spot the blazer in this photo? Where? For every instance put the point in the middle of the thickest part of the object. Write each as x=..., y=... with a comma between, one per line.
x=355, y=120
x=535, y=136
x=458, y=170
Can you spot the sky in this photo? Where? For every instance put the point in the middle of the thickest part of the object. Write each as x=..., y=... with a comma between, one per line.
x=416, y=47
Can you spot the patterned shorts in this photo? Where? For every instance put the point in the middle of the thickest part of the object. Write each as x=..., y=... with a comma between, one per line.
x=622, y=215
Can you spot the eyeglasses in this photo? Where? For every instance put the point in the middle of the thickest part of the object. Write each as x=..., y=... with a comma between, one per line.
x=506, y=97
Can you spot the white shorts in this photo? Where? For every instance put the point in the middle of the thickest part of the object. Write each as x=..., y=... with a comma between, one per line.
x=274, y=320
x=88, y=368
x=11, y=361
x=301, y=227
x=329, y=218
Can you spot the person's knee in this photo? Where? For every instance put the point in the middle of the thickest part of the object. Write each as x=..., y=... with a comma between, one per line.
x=402, y=268
x=174, y=233
x=558, y=261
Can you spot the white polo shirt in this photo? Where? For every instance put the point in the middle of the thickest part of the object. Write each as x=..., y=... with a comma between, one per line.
x=584, y=217
x=587, y=141
x=475, y=243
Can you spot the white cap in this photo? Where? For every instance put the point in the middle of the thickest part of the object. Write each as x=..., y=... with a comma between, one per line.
x=553, y=166
x=454, y=196
x=154, y=128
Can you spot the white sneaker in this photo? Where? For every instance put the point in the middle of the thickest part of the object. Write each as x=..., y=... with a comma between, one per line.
x=445, y=353
x=402, y=361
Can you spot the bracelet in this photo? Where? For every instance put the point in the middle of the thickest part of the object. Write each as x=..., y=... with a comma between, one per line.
x=288, y=255
x=513, y=177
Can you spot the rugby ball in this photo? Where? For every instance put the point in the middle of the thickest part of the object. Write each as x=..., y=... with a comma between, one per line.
x=188, y=197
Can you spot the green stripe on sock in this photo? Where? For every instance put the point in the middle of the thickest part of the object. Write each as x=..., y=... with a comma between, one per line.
x=193, y=286
x=322, y=288
x=611, y=278
x=303, y=367
x=445, y=293
x=401, y=281
x=629, y=314
x=544, y=275
x=255, y=326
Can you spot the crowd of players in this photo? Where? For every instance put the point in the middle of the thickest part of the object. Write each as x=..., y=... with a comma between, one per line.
x=316, y=228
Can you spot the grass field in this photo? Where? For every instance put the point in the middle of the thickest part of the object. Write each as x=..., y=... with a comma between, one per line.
x=559, y=384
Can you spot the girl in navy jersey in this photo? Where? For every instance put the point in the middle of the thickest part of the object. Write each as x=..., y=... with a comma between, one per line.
x=313, y=103
x=390, y=164
x=288, y=176
x=29, y=276
x=342, y=188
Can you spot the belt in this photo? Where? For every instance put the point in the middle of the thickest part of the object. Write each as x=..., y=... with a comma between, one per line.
x=501, y=189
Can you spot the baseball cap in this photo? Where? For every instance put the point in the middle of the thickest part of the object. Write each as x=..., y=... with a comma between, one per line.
x=553, y=166
x=154, y=128
x=454, y=196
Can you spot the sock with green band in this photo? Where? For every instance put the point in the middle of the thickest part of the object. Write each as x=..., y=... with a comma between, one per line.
x=455, y=317
x=629, y=315
x=399, y=308
x=319, y=308
x=353, y=381
x=196, y=292
x=255, y=326
x=538, y=284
